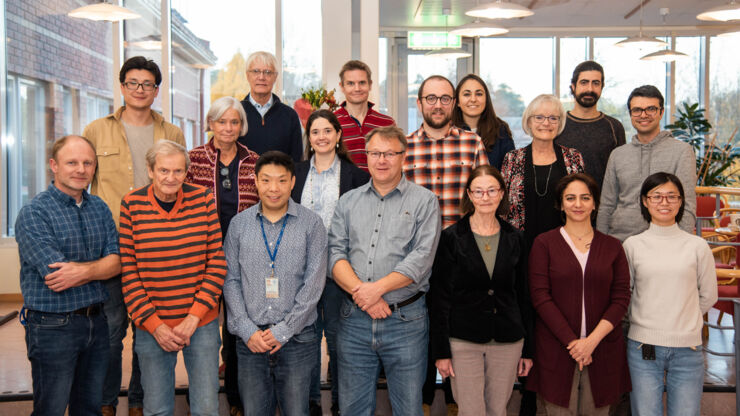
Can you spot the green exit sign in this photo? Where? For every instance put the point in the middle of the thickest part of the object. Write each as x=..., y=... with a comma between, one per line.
x=433, y=40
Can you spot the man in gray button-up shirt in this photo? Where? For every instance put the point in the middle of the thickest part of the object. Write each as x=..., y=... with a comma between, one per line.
x=276, y=259
x=382, y=242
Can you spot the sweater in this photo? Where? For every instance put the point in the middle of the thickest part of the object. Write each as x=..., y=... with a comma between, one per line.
x=353, y=133
x=595, y=138
x=172, y=263
x=629, y=165
x=673, y=283
x=279, y=129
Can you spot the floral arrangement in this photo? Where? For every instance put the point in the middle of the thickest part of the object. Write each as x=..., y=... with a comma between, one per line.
x=318, y=97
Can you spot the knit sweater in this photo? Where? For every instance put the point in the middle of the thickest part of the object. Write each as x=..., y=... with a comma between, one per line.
x=279, y=129
x=673, y=284
x=595, y=138
x=353, y=135
x=172, y=263
x=629, y=165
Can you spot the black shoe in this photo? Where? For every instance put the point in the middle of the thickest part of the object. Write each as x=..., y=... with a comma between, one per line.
x=314, y=409
x=335, y=409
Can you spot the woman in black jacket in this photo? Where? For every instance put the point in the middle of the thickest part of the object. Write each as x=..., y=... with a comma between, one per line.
x=481, y=315
x=321, y=179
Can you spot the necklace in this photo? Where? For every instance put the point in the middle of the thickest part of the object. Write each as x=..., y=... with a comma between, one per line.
x=582, y=237
x=547, y=181
x=487, y=238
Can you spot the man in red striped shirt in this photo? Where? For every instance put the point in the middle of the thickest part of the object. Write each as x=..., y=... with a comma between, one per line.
x=356, y=113
x=172, y=273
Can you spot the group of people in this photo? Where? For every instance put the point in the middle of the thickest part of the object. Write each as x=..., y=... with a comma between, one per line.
x=445, y=250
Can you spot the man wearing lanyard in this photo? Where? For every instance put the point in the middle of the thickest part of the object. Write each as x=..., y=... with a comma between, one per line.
x=276, y=257
x=383, y=239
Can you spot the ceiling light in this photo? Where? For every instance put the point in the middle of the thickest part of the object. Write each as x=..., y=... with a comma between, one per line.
x=724, y=13
x=478, y=28
x=666, y=55
x=499, y=10
x=449, y=53
x=103, y=11
x=640, y=41
x=731, y=34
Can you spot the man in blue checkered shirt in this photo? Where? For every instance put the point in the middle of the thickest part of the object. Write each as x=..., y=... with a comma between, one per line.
x=67, y=242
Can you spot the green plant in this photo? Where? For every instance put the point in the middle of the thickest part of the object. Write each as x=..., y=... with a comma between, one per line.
x=714, y=163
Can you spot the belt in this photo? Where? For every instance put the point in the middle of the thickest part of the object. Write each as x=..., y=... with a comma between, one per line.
x=91, y=310
x=396, y=306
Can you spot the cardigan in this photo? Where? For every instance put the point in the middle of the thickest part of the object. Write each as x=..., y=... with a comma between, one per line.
x=172, y=263
x=203, y=171
x=279, y=129
x=350, y=177
x=465, y=302
x=557, y=283
x=513, y=173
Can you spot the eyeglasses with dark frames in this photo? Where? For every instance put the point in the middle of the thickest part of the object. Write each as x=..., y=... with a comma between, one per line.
x=133, y=86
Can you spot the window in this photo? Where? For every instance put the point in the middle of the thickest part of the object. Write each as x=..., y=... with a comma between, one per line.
x=724, y=87
x=573, y=51
x=688, y=71
x=302, y=50
x=516, y=77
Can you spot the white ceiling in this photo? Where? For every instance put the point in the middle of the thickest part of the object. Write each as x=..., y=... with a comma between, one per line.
x=559, y=15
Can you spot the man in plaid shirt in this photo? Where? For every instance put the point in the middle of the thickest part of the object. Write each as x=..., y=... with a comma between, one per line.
x=440, y=156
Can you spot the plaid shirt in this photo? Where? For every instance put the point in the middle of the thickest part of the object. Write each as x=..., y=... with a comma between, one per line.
x=52, y=228
x=443, y=166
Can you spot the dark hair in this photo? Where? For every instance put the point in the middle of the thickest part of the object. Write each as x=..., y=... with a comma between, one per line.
x=586, y=66
x=489, y=124
x=275, y=157
x=354, y=65
x=332, y=119
x=439, y=77
x=587, y=180
x=62, y=141
x=655, y=180
x=140, y=62
x=388, y=132
x=466, y=205
x=648, y=91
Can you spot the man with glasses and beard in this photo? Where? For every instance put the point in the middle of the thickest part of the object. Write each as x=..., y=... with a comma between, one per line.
x=587, y=129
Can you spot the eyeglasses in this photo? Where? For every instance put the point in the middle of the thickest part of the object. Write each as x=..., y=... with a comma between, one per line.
x=491, y=192
x=225, y=180
x=133, y=85
x=266, y=72
x=658, y=198
x=387, y=155
x=651, y=111
x=539, y=119
x=431, y=99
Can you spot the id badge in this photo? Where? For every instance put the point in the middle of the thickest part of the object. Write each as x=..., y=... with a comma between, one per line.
x=272, y=290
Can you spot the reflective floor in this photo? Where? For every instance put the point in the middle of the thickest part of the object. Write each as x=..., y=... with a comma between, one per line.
x=15, y=374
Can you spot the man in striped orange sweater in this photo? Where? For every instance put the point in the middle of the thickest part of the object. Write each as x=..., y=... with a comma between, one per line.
x=173, y=269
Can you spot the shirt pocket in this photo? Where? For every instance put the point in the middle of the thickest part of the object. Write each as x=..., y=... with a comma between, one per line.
x=109, y=159
x=401, y=229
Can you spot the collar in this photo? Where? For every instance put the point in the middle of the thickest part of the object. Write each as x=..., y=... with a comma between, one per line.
x=158, y=119
x=63, y=198
x=292, y=209
x=258, y=105
x=241, y=151
x=333, y=168
x=451, y=131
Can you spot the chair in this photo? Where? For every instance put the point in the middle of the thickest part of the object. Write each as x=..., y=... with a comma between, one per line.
x=706, y=212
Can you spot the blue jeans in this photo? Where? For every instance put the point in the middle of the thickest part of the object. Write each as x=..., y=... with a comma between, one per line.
x=328, y=323
x=115, y=312
x=69, y=358
x=683, y=369
x=158, y=372
x=282, y=379
x=399, y=342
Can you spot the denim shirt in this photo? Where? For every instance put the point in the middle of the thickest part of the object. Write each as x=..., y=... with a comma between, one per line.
x=53, y=229
x=397, y=232
x=300, y=267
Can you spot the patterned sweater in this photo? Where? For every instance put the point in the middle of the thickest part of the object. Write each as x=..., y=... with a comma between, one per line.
x=172, y=263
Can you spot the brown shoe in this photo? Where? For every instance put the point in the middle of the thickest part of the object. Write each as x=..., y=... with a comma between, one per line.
x=451, y=409
x=427, y=409
x=235, y=411
x=135, y=411
x=108, y=410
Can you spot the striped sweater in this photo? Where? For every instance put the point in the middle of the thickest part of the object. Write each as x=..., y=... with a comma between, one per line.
x=353, y=135
x=172, y=263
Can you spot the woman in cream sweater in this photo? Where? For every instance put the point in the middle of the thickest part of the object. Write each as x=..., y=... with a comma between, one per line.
x=673, y=284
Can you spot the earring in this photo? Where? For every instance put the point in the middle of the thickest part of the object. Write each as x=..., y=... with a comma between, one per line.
x=337, y=145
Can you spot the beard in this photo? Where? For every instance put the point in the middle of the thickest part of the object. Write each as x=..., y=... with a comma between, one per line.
x=437, y=125
x=587, y=99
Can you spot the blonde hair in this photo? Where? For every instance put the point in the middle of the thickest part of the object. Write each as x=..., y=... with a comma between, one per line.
x=536, y=104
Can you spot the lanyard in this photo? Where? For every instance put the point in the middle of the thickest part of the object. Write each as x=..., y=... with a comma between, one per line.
x=272, y=254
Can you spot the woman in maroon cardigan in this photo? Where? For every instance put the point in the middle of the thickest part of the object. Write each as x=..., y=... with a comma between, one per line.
x=579, y=281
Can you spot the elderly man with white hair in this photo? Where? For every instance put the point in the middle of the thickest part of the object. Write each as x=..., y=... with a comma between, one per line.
x=272, y=124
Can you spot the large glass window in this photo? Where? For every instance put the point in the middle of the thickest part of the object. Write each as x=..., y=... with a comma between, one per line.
x=382, y=76
x=419, y=68
x=624, y=71
x=688, y=71
x=516, y=70
x=301, y=47
x=724, y=87
x=573, y=51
